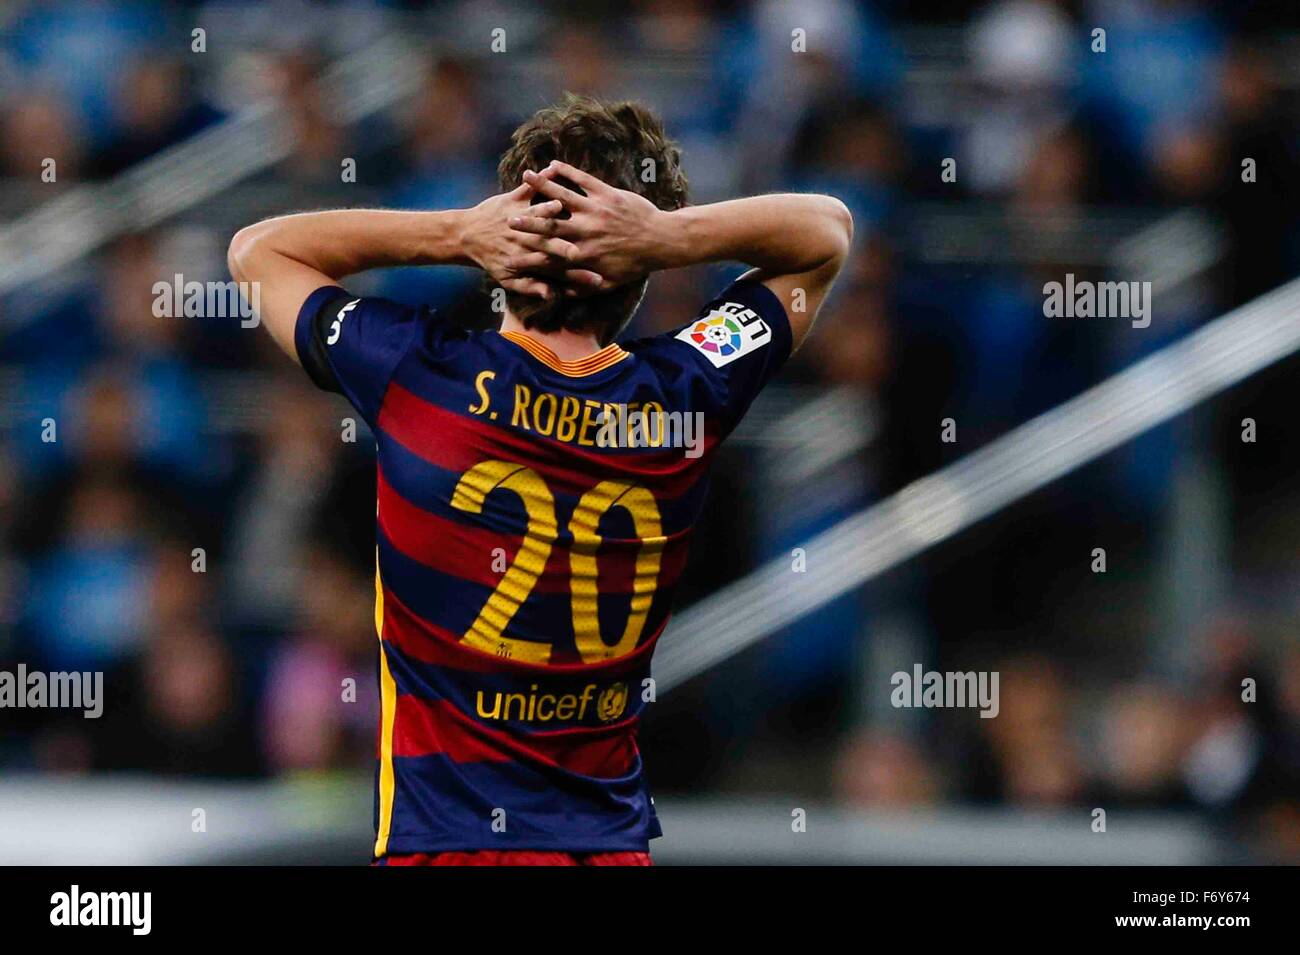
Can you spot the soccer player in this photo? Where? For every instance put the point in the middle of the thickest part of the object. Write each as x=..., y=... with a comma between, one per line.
x=535, y=504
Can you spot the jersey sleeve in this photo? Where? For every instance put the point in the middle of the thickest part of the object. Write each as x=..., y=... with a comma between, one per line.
x=740, y=339
x=351, y=345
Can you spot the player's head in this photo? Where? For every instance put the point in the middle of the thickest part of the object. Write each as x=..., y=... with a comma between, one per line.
x=622, y=144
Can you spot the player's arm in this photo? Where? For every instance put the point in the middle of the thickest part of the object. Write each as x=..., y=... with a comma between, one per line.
x=292, y=256
x=794, y=242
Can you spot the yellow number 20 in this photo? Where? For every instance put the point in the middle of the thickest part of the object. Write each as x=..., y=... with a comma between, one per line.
x=487, y=632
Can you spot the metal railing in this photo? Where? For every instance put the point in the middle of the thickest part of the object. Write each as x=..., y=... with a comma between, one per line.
x=934, y=508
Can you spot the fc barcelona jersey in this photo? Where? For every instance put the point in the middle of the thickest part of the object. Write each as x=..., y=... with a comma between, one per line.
x=534, y=516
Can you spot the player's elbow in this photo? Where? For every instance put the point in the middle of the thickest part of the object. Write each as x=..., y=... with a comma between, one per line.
x=246, y=248
x=839, y=229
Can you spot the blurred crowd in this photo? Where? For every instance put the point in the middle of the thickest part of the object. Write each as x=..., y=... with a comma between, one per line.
x=198, y=530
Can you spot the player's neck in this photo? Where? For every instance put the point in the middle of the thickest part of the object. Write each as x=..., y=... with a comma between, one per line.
x=567, y=345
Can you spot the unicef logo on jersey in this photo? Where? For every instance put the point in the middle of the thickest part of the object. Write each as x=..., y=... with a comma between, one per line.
x=538, y=706
x=726, y=333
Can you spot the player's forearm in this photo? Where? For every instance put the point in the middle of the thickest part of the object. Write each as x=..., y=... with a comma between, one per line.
x=776, y=233
x=342, y=242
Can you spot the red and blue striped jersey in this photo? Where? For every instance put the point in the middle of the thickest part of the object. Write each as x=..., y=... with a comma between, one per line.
x=533, y=519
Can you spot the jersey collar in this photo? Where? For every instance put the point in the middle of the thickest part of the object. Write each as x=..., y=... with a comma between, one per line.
x=611, y=354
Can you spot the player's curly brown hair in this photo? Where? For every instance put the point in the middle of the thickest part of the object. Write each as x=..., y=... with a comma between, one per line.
x=623, y=144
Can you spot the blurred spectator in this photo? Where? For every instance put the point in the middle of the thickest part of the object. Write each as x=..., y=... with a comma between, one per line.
x=277, y=510
x=156, y=106
x=320, y=702
x=1022, y=55
x=1031, y=751
x=86, y=606
x=1143, y=742
x=179, y=708
x=802, y=55
x=848, y=146
x=1157, y=70
x=34, y=129
x=79, y=48
x=580, y=49
x=443, y=163
x=878, y=771
x=318, y=144
x=1238, y=757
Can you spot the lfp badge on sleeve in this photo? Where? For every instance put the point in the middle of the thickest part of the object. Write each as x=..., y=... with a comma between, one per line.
x=726, y=333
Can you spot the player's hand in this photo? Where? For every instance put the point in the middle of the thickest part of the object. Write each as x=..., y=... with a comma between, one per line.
x=613, y=231
x=530, y=264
